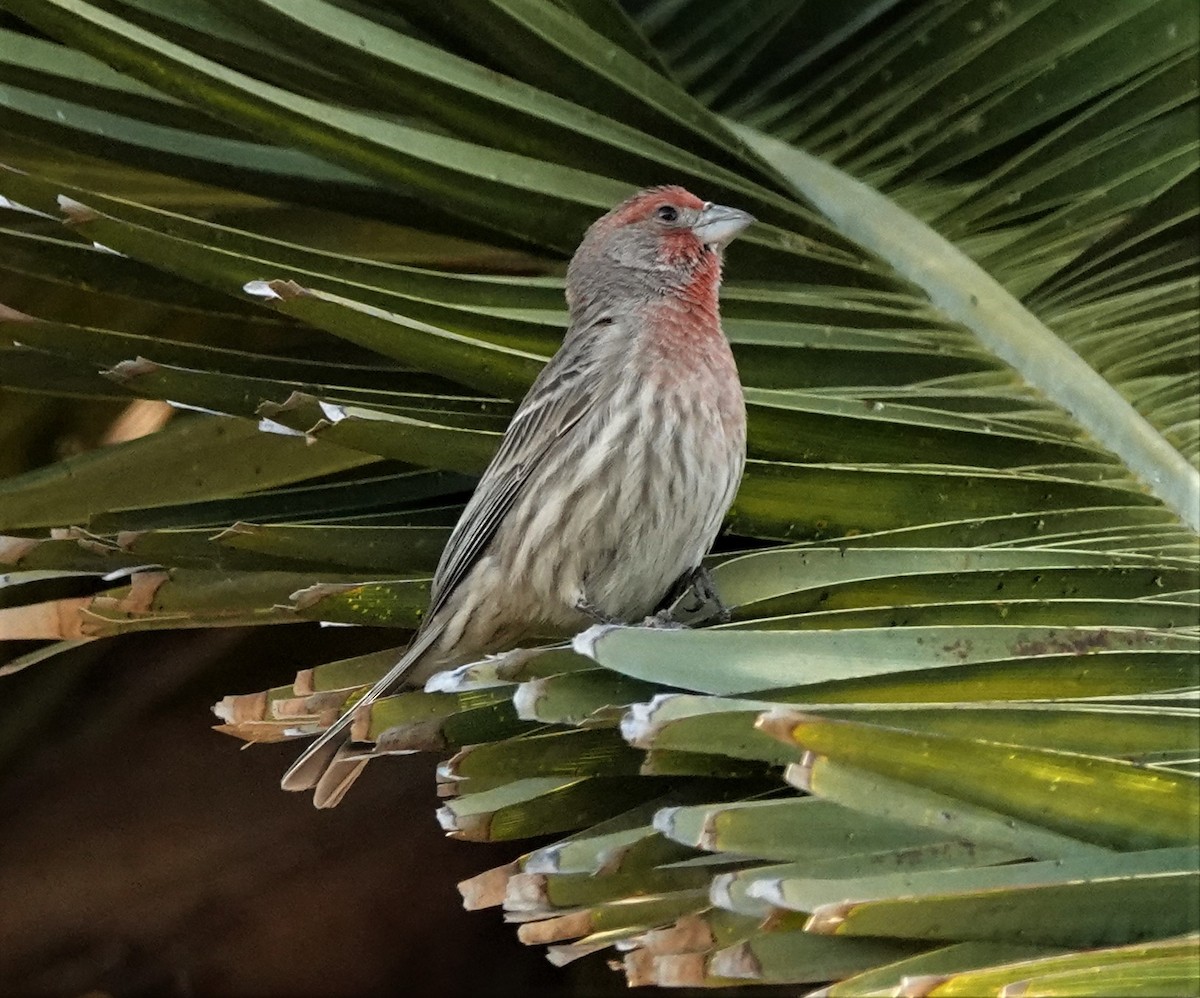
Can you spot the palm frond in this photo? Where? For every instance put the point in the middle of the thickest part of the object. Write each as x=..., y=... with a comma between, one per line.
x=949, y=733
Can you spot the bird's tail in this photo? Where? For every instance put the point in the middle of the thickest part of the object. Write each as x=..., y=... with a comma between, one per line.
x=327, y=766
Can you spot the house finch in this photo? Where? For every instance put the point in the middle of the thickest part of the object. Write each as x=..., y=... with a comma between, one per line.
x=613, y=478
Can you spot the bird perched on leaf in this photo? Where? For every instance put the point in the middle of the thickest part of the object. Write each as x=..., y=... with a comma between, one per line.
x=613, y=478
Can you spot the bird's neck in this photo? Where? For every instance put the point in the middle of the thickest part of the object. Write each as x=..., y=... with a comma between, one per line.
x=686, y=314
x=682, y=321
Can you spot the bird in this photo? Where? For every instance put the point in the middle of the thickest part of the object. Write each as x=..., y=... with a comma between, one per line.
x=612, y=480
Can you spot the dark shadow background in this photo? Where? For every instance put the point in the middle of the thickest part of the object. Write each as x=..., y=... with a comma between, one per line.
x=143, y=853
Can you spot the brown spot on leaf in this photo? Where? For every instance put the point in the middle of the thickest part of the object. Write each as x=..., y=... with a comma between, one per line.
x=12, y=315
x=13, y=549
x=960, y=648
x=127, y=370
x=1067, y=643
x=239, y=709
x=289, y=289
x=76, y=212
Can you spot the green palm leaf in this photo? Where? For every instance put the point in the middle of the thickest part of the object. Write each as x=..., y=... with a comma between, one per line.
x=950, y=730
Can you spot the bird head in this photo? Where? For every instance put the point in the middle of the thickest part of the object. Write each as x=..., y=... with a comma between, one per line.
x=661, y=240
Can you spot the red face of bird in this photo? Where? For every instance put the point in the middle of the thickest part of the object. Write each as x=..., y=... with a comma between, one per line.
x=660, y=239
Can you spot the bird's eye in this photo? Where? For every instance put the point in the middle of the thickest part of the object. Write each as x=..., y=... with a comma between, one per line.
x=667, y=213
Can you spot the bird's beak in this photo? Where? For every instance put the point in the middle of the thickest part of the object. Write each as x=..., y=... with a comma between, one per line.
x=718, y=225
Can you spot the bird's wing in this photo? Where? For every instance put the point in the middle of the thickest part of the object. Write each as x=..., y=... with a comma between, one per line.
x=560, y=397
x=558, y=400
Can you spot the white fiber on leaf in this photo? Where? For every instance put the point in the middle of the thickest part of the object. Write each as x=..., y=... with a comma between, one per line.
x=270, y=426
x=334, y=413
x=260, y=289
x=17, y=206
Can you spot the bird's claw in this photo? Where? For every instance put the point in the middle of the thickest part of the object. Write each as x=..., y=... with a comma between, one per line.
x=694, y=600
x=589, y=609
x=663, y=620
